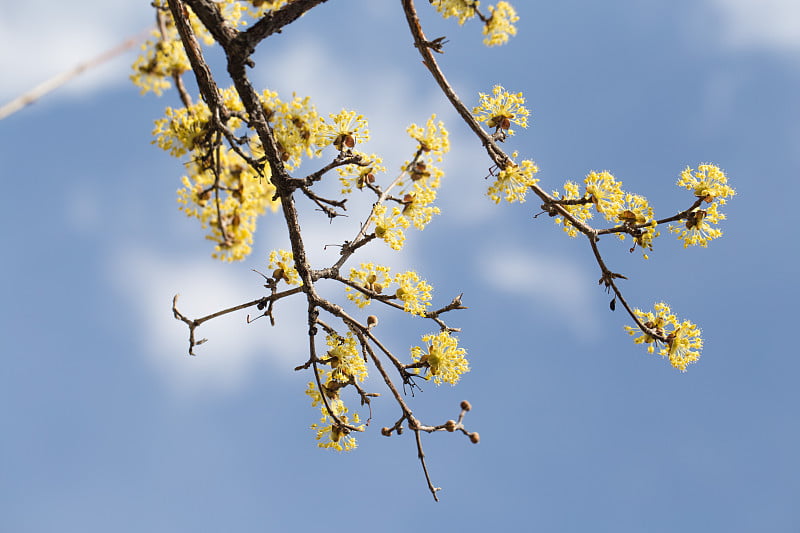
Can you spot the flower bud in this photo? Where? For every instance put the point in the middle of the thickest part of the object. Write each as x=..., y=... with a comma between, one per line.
x=475, y=438
x=386, y=432
x=465, y=405
x=372, y=321
x=450, y=425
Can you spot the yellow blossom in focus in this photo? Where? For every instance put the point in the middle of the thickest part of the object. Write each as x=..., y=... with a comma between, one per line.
x=360, y=175
x=328, y=432
x=417, y=205
x=502, y=109
x=389, y=227
x=513, y=182
x=372, y=277
x=699, y=227
x=581, y=211
x=345, y=131
x=682, y=342
x=606, y=193
x=415, y=293
x=344, y=359
x=708, y=182
x=500, y=24
x=296, y=125
x=281, y=263
x=634, y=212
x=442, y=357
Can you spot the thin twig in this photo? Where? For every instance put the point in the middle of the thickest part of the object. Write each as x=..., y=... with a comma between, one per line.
x=57, y=81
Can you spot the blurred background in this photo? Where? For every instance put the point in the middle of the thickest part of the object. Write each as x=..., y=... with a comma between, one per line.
x=108, y=424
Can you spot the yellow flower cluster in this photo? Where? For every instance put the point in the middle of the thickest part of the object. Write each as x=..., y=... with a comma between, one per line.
x=605, y=193
x=345, y=361
x=347, y=366
x=710, y=184
x=362, y=174
x=462, y=9
x=282, y=264
x=227, y=206
x=497, y=27
x=295, y=125
x=500, y=24
x=442, y=357
x=415, y=293
x=160, y=60
x=683, y=340
x=580, y=211
x=372, y=277
x=635, y=212
x=419, y=194
x=328, y=432
x=221, y=190
x=390, y=226
x=513, y=182
x=502, y=109
x=345, y=131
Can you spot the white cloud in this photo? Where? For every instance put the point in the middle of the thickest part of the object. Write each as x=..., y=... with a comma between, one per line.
x=771, y=24
x=148, y=281
x=554, y=283
x=43, y=39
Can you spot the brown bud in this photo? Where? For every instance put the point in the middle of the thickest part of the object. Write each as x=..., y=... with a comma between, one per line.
x=475, y=438
x=277, y=274
x=372, y=321
x=386, y=432
x=450, y=425
x=465, y=405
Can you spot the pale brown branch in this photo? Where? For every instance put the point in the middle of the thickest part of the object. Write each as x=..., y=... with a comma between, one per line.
x=57, y=81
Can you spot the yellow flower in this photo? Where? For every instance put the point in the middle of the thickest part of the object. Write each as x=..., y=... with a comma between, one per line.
x=502, y=109
x=360, y=175
x=432, y=139
x=580, y=211
x=328, y=432
x=346, y=130
x=417, y=204
x=344, y=359
x=413, y=292
x=606, y=193
x=513, y=182
x=698, y=228
x=282, y=263
x=442, y=357
x=633, y=211
x=463, y=9
x=683, y=342
x=372, y=277
x=709, y=183
x=500, y=24
x=295, y=125
x=390, y=227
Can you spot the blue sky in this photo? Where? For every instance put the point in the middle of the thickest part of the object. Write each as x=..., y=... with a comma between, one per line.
x=109, y=426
